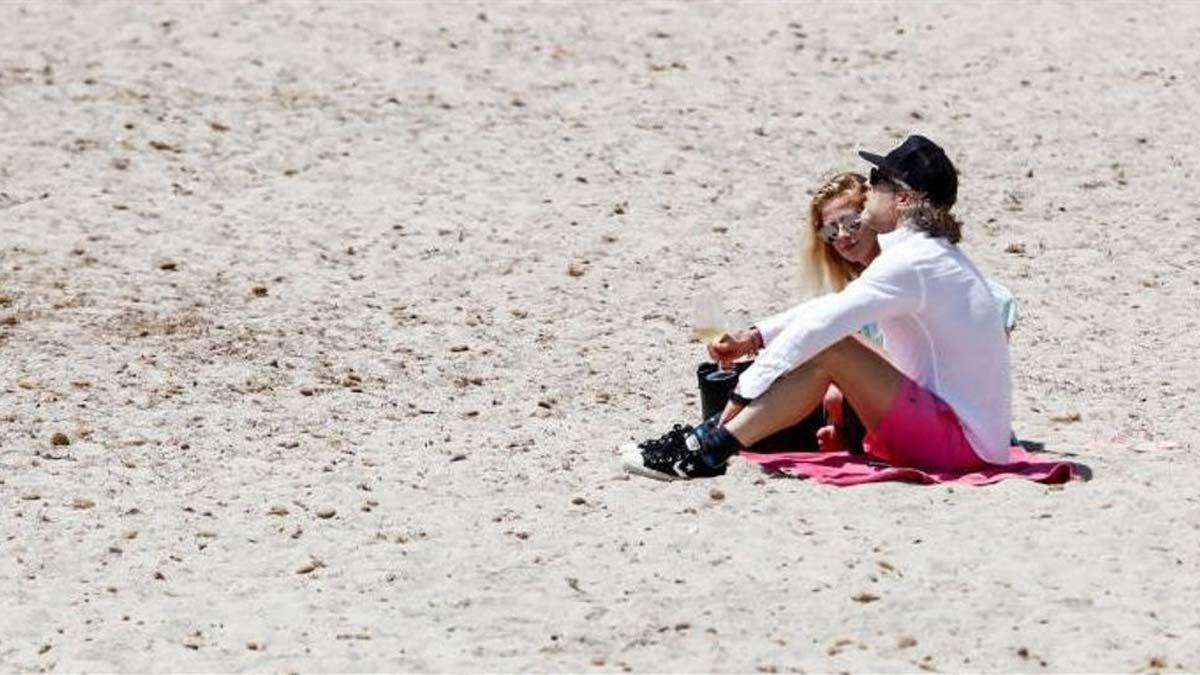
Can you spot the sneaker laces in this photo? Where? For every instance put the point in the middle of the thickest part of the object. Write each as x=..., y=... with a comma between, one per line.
x=672, y=444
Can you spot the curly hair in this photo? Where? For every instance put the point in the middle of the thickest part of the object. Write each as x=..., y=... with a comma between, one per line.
x=935, y=221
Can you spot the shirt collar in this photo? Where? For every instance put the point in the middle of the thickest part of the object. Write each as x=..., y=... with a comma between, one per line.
x=901, y=233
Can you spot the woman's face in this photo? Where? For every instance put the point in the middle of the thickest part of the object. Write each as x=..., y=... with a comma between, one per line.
x=856, y=244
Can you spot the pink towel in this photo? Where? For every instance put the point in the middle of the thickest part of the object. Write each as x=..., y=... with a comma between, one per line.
x=842, y=468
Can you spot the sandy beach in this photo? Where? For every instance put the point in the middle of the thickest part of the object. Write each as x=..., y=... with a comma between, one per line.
x=321, y=324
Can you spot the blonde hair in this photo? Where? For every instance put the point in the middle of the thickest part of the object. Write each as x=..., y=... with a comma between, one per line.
x=822, y=270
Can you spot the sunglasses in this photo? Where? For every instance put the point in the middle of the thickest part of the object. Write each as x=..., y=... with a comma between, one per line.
x=828, y=232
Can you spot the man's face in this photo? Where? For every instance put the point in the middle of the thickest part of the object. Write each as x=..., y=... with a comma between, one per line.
x=881, y=213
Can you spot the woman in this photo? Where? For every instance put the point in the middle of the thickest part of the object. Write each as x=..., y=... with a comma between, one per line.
x=835, y=250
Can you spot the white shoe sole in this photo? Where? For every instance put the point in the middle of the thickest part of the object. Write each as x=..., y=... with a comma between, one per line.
x=631, y=461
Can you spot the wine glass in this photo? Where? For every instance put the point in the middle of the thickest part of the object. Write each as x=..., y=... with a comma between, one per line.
x=710, y=321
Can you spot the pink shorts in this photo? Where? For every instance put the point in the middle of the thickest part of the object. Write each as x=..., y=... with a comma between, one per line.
x=920, y=431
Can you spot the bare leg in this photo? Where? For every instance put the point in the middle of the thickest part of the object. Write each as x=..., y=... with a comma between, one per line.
x=867, y=379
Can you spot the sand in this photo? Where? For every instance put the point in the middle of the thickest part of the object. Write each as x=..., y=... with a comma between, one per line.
x=342, y=311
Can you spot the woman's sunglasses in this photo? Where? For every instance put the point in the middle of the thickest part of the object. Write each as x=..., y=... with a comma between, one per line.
x=828, y=232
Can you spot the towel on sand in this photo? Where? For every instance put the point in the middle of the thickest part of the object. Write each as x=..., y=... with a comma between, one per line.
x=842, y=468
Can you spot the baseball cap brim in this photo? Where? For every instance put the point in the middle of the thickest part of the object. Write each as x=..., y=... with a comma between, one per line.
x=871, y=157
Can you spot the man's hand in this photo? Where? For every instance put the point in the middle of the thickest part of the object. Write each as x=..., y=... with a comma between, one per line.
x=729, y=347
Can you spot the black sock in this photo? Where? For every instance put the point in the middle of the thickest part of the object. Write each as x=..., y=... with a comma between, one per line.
x=721, y=446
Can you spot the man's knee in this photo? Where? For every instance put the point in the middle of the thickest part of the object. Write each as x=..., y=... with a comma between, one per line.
x=827, y=361
x=837, y=350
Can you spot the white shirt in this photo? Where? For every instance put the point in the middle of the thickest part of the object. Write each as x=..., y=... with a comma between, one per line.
x=940, y=322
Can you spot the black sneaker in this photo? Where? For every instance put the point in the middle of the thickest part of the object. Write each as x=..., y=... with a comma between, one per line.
x=673, y=456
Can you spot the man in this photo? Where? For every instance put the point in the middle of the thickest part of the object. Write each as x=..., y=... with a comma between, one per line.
x=940, y=400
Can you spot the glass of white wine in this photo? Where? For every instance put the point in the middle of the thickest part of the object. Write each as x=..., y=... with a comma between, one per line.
x=710, y=320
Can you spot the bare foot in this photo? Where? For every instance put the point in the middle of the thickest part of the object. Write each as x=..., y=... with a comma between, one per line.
x=829, y=440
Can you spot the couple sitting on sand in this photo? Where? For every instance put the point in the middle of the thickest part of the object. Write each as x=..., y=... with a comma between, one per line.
x=939, y=399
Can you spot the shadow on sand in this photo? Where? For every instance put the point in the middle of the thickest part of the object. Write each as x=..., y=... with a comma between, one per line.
x=1085, y=471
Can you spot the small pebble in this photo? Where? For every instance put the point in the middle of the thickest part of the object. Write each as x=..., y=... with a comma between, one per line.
x=326, y=513
x=716, y=495
x=168, y=265
x=579, y=501
x=82, y=503
x=60, y=439
x=278, y=511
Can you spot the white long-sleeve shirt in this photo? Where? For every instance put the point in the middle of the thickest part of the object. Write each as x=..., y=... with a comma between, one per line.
x=939, y=320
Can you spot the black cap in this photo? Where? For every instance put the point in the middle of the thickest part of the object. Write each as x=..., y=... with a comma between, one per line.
x=923, y=166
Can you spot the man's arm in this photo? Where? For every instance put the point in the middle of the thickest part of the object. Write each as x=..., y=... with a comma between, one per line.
x=882, y=292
